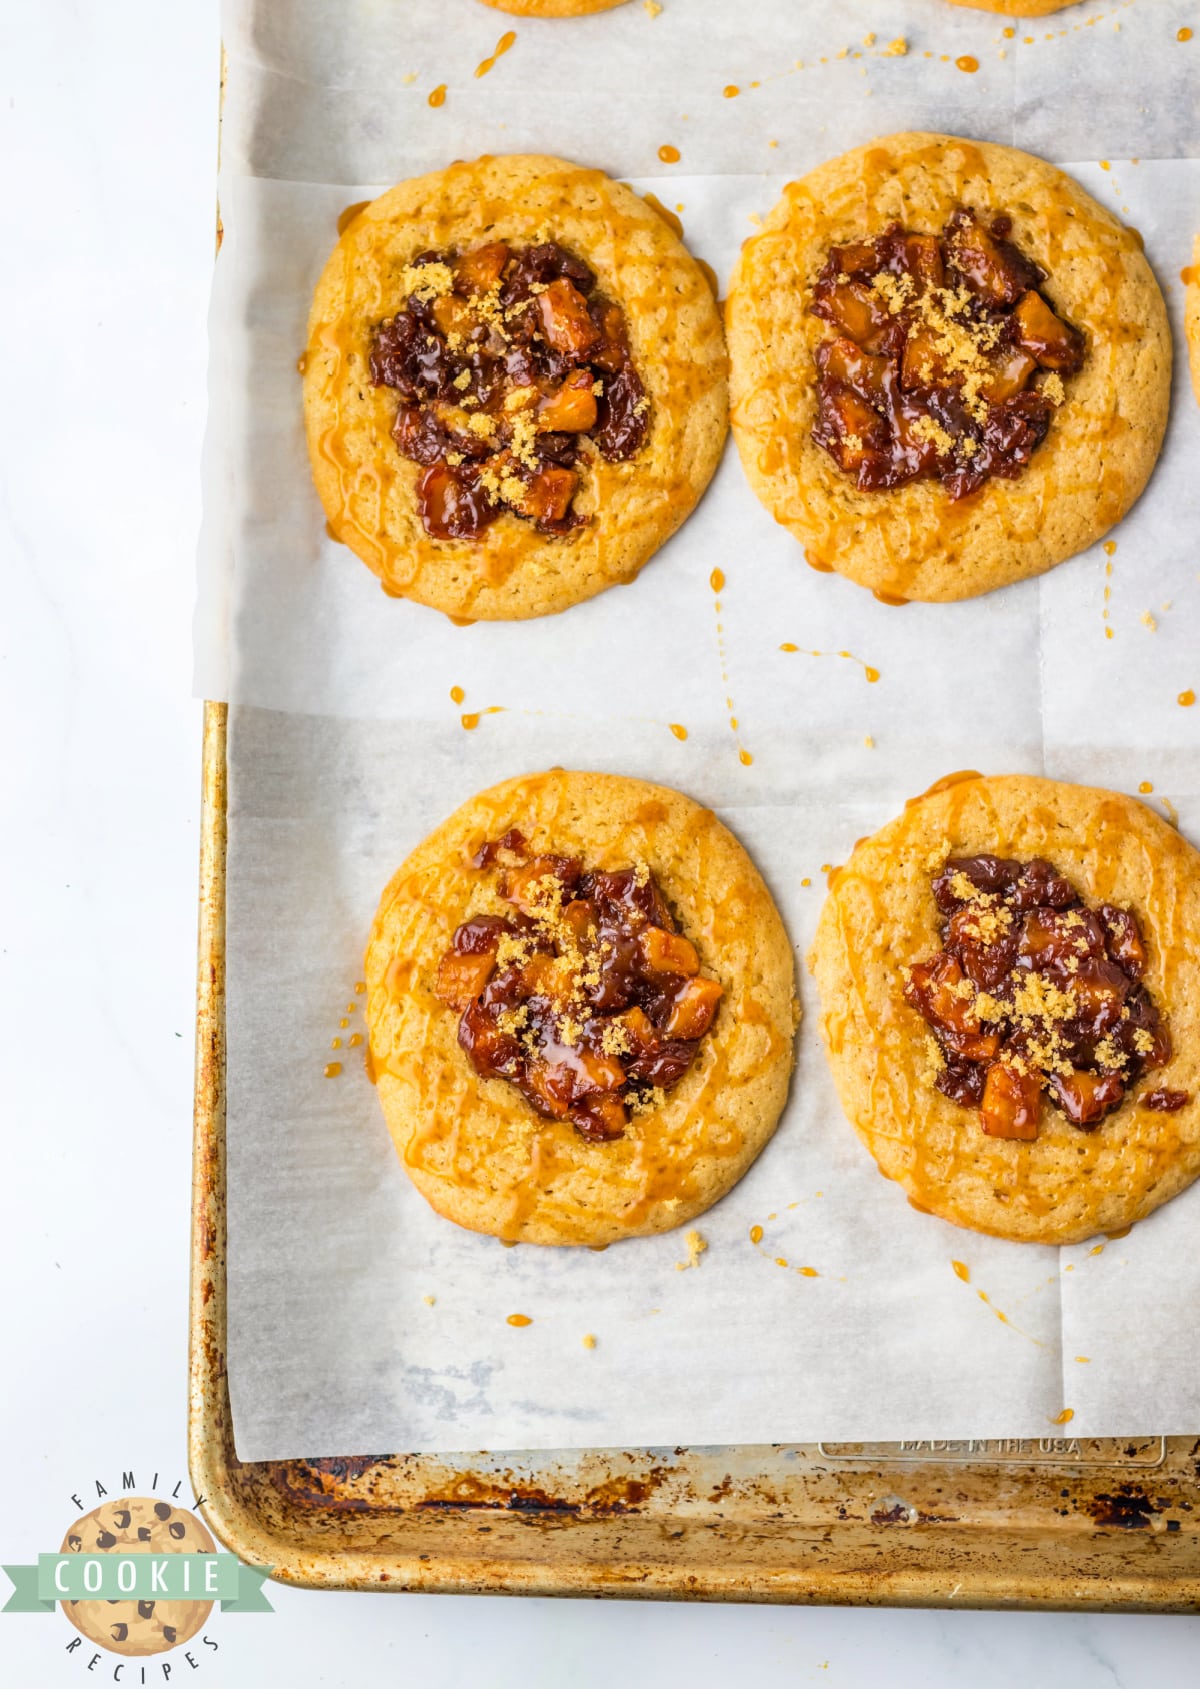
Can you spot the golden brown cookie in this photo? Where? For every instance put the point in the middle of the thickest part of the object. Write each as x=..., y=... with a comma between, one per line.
x=553, y=8
x=880, y=922
x=914, y=541
x=474, y=1147
x=143, y=1525
x=1191, y=314
x=1007, y=8
x=370, y=491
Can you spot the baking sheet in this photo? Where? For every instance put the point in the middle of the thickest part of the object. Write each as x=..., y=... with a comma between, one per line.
x=345, y=748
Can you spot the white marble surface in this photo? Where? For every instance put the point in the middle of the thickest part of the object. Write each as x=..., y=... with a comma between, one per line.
x=108, y=119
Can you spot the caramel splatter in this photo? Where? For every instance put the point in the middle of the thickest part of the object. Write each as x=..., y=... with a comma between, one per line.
x=457, y=694
x=872, y=674
x=519, y=1319
x=668, y=153
x=717, y=581
x=472, y=719
x=678, y=729
x=438, y=95
x=962, y=1271
x=1187, y=699
x=332, y=1069
x=1065, y=1417
x=968, y=63
x=588, y=1341
x=502, y=47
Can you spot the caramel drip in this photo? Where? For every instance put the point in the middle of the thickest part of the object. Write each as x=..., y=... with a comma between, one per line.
x=346, y=217
x=376, y=487
x=669, y=217
x=944, y=784
x=668, y=154
x=657, y=1161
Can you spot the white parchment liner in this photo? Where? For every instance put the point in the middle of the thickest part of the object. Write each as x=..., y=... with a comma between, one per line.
x=346, y=748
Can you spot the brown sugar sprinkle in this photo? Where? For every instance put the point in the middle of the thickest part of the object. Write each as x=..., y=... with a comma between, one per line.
x=1034, y=991
x=505, y=361
x=586, y=996
x=938, y=342
x=518, y=1319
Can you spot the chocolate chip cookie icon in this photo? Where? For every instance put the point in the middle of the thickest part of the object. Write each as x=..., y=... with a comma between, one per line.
x=143, y=1525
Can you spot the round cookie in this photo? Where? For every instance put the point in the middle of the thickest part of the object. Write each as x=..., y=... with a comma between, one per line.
x=138, y=1524
x=553, y=8
x=1010, y=8
x=472, y=1146
x=912, y=541
x=368, y=489
x=880, y=918
x=1191, y=314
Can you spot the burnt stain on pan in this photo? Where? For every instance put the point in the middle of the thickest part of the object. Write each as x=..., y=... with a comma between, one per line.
x=1128, y=1508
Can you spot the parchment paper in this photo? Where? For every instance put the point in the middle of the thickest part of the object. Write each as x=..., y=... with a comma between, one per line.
x=357, y=1319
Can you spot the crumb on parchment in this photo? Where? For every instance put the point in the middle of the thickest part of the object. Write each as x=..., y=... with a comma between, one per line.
x=696, y=1245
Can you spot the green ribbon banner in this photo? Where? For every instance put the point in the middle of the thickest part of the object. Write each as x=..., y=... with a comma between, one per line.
x=137, y=1577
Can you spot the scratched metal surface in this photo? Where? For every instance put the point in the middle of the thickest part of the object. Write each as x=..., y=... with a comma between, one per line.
x=1057, y=1522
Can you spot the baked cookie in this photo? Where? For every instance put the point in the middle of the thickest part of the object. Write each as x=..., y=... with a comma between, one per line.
x=553, y=8
x=1191, y=314
x=1010, y=1002
x=514, y=387
x=950, y=367
x=1007, y=8
x=581, y=1006
x=144, y=1525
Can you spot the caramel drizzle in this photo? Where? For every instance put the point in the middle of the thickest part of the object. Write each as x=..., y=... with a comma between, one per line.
x=659, y=1163
x=376, y=493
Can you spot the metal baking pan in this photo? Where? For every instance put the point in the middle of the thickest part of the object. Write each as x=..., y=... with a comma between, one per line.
x=1055, y=1522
